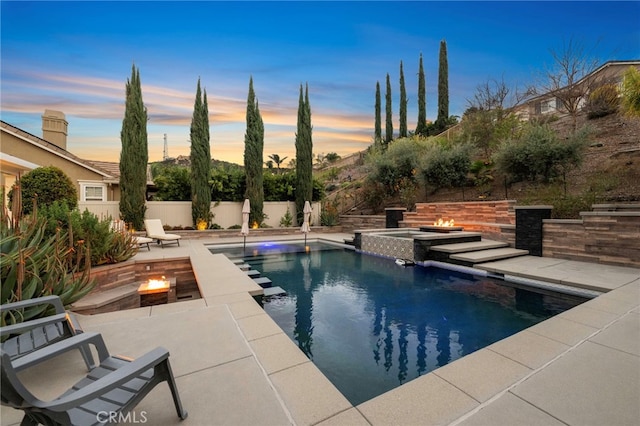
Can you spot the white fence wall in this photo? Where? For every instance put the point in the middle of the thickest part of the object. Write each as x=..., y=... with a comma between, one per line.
x=178, y=213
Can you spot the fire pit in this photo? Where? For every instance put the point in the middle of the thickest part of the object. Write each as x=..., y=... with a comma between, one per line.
x=157, y=291
x=444, y=226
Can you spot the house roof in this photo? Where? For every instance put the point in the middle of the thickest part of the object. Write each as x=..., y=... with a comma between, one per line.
x=56, y=150
x=602, y=67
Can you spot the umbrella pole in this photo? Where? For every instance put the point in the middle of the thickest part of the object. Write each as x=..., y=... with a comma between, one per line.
x=244, y=244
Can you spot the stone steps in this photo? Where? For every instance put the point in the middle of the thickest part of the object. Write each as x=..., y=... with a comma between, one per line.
x=253, y=273
x=481, y=256
x=263, y=282
x=274, y=291
x=470, y=246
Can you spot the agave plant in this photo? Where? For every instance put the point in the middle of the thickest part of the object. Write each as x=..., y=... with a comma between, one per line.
x=33, y=264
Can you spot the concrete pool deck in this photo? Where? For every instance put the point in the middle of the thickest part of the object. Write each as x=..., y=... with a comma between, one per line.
x=235, y=366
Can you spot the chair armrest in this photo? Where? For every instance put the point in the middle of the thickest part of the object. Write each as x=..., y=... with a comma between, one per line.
x=21, y=327
x=108, y=382
x=45, y=300
x=58, y=348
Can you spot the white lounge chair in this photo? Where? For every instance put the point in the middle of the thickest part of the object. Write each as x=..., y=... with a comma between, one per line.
x=156, y=231
x=120, y=226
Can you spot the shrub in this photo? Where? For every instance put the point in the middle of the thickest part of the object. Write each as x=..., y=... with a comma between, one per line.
x=447, y=166
x=631, y=91
x=35, y=264
x=173, y=184
x=105, y=244
x=329, y=215
x=46, y=184
x=539, y=154
x=287, y=219
x=395, y=168
x=602, y=101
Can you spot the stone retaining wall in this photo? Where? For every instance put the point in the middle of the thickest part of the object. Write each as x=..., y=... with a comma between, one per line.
x=349, y=223
x=502, y=212
x=608, y=236
x=120, y=282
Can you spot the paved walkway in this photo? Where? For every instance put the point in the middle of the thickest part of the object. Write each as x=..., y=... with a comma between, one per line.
x=235, y=366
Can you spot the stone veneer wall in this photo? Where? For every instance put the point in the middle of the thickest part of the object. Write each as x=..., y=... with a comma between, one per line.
x=349, y=223
x=387, y=246
x=116, y=275
x=502, y=212
x=494, y=219
x=608, y=237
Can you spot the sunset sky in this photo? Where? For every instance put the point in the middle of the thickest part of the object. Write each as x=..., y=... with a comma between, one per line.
x=77, y=56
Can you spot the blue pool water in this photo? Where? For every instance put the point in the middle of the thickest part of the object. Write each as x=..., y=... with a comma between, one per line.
x=371, y=325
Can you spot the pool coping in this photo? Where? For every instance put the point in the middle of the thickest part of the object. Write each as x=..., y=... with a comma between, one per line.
x=491, y=384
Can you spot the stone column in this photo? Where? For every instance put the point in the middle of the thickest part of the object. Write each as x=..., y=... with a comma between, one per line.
x=393, y=216
x=529, y=227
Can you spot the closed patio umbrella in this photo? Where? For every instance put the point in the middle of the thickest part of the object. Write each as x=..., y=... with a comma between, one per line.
x=246, y=209
x=305, y=229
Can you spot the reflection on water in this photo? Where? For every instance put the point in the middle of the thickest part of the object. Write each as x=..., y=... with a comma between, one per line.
x=371, y=325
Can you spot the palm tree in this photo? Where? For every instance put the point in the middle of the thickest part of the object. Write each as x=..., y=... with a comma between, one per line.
x=277, y=160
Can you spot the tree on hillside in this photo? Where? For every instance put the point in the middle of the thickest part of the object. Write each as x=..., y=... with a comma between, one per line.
x=421, y=128
x=569, y=79
x=134, y=155
x=491, y=95
x=487, y=120
x=377, y=139
x=539, y=154
x=200, y=162
x=389, y=114
x=443, y=89
x=253, y=157
x=403, y=105
x=304, y=154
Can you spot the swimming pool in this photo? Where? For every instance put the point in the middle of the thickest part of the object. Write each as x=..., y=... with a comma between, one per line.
x=371, y=325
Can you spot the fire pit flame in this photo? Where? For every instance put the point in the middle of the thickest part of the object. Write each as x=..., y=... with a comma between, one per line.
x=154, y=286
x=445, y=223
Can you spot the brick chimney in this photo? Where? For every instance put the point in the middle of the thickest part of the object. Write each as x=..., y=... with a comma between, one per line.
x=54, y=128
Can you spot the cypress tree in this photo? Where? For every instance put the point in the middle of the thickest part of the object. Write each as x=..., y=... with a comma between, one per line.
x=134, y=155
x=403, y=105
x=378, y=130
x=389, y=114
x=253, y=157
x=200, y=161
x=304, y=154
x=443, y=88
x=421, y=128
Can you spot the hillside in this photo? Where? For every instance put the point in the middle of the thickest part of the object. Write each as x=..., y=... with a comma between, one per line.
x=610, y=172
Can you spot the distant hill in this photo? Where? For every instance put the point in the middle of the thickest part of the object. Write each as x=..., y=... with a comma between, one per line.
x=185, y=160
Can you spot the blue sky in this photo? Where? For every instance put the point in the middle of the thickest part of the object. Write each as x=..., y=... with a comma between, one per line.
x=77, y=56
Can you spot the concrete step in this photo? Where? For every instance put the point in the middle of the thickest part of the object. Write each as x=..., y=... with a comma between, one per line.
x=481, y=256
x=236, y=260
x=274, y=291
x=243, y=266
x=470, y=246
x=253, y=273
x=263, y=282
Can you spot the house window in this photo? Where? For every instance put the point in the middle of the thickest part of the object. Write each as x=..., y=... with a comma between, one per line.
x=93, y=192
x=559, y=104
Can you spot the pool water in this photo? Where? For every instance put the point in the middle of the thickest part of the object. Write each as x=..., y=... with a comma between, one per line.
x=371, y=325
